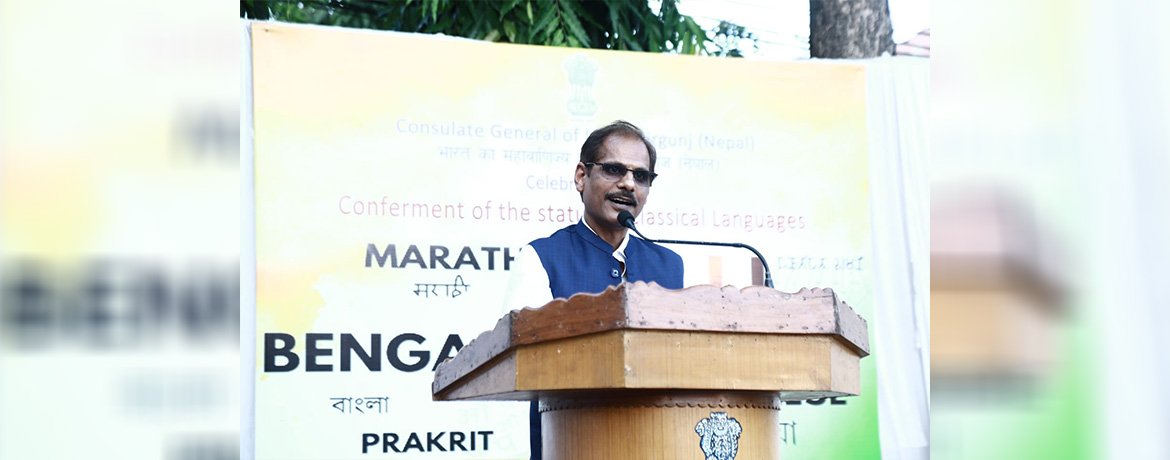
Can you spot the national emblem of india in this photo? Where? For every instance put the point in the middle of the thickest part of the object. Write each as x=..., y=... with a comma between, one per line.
x=719, y=436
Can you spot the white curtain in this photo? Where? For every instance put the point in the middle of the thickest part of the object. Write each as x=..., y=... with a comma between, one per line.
x=898, y=97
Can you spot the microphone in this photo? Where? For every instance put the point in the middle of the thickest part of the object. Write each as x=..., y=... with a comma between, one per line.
x=627, y=221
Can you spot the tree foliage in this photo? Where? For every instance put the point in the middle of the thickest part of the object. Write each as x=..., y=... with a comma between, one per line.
x=729, y=37
x=602, y=24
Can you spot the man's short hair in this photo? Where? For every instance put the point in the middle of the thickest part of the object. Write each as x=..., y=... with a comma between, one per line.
x=591, y=149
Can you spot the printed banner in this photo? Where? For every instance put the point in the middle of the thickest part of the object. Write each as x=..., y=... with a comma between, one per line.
x=398, y=175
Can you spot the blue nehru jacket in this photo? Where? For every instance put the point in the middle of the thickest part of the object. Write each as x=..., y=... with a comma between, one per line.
x=577, y=260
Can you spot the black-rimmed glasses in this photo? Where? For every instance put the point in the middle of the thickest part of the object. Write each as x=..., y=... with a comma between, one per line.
x=615, y=172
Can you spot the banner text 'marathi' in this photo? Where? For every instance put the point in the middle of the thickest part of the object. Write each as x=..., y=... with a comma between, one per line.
x=440, y=256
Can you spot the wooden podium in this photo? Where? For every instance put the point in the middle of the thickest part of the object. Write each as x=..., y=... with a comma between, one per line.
x=642, y=372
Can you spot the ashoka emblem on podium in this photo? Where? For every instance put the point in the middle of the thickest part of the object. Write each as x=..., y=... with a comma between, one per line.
x=719, y=436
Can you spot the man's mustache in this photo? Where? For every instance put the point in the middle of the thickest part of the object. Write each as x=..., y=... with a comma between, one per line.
x=628, y=196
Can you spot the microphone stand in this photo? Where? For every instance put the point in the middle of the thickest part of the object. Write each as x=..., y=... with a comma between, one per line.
x=627, y=220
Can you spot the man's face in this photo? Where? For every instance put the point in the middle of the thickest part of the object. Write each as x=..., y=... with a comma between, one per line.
x=605, y=198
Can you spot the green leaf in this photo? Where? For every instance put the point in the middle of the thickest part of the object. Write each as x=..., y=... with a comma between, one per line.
x=613, y=27
x=507, y=6
x=628, y=38
x=655, y=38
x=700, y=37
x=442, y=25
x=528, y=6
x=542, y=21
x=472, y=10
x=554, y=25
x=589, y=23
x=574, y=43
x=510, y=30
x=694, y=28
x=558, y=38
x=574, y=25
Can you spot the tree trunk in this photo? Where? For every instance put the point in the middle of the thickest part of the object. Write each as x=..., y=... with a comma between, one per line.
x=850, y=29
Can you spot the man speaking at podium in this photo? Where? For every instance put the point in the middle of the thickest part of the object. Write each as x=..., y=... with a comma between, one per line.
x=614, y=175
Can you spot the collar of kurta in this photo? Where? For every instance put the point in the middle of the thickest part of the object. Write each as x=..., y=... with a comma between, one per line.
x=593, y=238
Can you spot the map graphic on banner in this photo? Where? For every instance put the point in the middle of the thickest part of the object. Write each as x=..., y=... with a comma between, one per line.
x=398, y=175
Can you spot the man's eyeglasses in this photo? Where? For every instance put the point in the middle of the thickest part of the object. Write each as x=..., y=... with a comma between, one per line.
x=615, y=172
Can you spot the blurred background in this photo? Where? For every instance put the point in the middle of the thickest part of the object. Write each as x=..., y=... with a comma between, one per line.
x=119, y=220
x=119, y=230
x=1048, y=230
